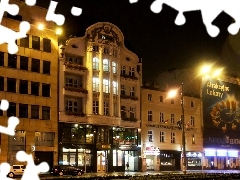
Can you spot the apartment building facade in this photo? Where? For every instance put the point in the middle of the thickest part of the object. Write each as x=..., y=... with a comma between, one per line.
x=28, y=80
x=99, y=100
x=162, y=131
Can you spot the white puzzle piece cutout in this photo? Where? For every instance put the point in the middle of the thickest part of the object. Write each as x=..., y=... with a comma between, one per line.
x=31, y=171
x=4, y=170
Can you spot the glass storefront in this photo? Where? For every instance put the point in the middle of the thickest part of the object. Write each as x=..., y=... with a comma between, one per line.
x=77, y=157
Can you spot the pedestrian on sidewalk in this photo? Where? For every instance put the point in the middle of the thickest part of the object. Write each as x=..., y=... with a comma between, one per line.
x=127, y=166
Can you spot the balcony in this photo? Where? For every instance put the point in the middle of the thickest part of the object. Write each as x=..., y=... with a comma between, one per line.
x=72, y=117
x=130, y=122
x=129, y=97
x=129, y=77
x=75, y=91
x=74, y=68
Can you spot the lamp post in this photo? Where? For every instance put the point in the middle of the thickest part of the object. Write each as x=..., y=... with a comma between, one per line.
x=183, y=133
x=173, y=93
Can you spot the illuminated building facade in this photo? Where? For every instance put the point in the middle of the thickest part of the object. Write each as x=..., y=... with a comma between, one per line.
x=162, y=133
x=99, y=96
x=28, y=80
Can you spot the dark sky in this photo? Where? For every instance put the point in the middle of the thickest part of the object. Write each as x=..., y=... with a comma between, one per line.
x=155, y=37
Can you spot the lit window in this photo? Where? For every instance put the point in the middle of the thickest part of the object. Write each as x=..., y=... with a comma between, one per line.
x=106, y=85
x=150, y=136
x=95, y=64
x=193, y=139
x=114, y=87
x=114, y=67
x=95, y=84
x=105, y=65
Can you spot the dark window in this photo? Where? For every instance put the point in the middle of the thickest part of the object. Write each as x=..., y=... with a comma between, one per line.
x=1, y=112
x=17, y=17
x=23, y=87
x=1, y=58
x=23, y=63
x=11, y=85
x=12, y=60
x=12, y=109
x=35, y=65
x=46, y=67
x=1, y=83
x=23, y=110
x=46, y=45
x=36, y=42
x=24, y=42
x=123, y=111
x=45, y=113
x=46, y=90
x=95, y=48
x=35, y=88
x=34, y=111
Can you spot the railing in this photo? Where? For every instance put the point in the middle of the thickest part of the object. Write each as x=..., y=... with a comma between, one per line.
x=129, y=119
x=128, y=76
x=71, y=113
x=76, y=89
x=129, y=97
x=71, y=65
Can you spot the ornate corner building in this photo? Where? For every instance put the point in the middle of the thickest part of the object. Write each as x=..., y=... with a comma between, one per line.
x=99, y=102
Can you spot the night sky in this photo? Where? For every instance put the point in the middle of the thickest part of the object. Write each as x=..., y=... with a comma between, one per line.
x=155, y=37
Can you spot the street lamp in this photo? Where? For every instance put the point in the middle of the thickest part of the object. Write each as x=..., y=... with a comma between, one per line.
x=173, y=93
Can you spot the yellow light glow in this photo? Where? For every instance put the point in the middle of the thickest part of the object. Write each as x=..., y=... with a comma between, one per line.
x=172, y=93
x=205, y=69
x=217, y=72
x=41, y=26
x=58, y=31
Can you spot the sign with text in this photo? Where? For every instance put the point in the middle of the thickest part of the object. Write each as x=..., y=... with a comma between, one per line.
x=221, y=114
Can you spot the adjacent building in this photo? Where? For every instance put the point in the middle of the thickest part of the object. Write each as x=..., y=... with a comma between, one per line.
x=28, y=80
x=162, y=130
x=99, y=101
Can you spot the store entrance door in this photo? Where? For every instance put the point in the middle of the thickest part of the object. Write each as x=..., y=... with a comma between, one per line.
x=101, y=161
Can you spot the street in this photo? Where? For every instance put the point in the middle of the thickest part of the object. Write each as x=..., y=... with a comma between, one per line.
x=88, y=175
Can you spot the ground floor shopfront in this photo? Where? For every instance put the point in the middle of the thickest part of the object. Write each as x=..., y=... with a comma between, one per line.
x=221, y=159
x=170, y=160
x=98, y=148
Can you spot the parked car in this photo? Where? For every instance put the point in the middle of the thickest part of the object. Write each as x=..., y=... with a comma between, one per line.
x=66, y=170
x=16, y=170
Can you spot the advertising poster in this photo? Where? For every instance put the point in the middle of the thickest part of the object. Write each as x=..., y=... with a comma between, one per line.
x=221, y=114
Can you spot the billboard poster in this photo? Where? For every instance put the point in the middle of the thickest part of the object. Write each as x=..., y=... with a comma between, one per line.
x=221, y=114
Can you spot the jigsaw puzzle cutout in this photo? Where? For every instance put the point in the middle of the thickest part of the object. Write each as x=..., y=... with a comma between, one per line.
x=12, y=121
x=4, y=170
x=209, y=10
x=31, y=171
x=59, y=18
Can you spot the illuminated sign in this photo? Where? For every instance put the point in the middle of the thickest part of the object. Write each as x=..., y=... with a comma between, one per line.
x=210, y=152
x=221, y=152
x=232, y=153
x=152, y=151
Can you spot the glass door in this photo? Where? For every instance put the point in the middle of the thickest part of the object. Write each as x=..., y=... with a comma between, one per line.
x=101, y=161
